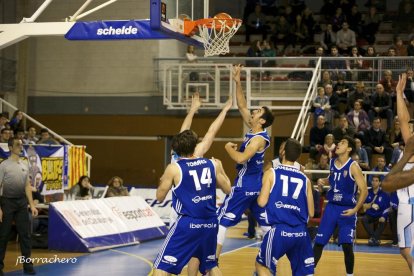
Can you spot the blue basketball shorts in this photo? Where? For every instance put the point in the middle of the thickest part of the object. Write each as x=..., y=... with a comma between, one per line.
x=239, y=200
x=189, y=237
x=294, y=242
x=332, y=218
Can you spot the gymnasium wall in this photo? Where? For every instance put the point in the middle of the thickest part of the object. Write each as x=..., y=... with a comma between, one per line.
x=142, y=162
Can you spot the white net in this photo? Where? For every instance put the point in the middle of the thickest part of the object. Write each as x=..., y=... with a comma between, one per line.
x=216, y=35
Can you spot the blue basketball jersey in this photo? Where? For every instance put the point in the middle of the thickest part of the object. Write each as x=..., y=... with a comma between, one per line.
x=343, y=188
x=288, y=199
x=195, y=195
x=255, y=164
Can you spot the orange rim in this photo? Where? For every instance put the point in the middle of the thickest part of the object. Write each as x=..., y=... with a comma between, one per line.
x=190, y=26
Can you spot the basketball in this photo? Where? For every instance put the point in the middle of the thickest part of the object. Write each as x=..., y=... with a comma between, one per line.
x=228, y=23
x=222, y=15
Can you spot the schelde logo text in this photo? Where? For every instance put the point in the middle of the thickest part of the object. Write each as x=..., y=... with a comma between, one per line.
x=117, y=31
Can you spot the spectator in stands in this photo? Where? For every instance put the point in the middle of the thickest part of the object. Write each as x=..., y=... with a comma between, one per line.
x=342, y=89
x=323, y=164
x=319, y=52
x=336, y=66
x=116, y=187
x=192, y=58
x=268, y=50
x=380, y=167
x=396, y=141
x=46, y=138
x=256, y=23
x=299, y=34
x=16, y=121
x=320, y=103
x=376, y=210
x=326, y=11
x=83, y=189
x=4, y=119
x=268, y=7
x=346, y=7
x=400, y=48
x=332, y=111
x=371, y=24
x=255, y=50
x=19, y=133
x=345, y=39
x=310, y=23
x=359, y=94
x=381, y=105
x=326, y=79
x=358, y=119
x=392, y=215
x=409, y=87
x=5, y=135
x=354, y=19
x=369, y=64
x=329, y=146
x=282, y=32
x=338, y=20
x=289, y=14
x=391, y=63
x=390, y=85
x=405, y=17
x=317, y=136
x=376, y=141
x=343, y=129
x=328, y=37
x=363, y=159
x=410, y=48
x=31, y=137
x=354, y=65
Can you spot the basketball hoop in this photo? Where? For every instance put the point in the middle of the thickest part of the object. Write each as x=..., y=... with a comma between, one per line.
x=215, y=32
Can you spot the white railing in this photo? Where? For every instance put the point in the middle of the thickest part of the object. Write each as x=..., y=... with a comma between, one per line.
x=26, y=117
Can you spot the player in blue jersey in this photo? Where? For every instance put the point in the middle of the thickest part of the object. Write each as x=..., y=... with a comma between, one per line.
x=345, y=179
x=249, y=158
x=287, y=197
x=193, y=183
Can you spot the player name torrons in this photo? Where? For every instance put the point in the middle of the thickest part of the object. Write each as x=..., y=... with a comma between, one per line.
x=196, y=163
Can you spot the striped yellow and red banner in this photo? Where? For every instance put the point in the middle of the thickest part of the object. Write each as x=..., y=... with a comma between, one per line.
x=77, y=164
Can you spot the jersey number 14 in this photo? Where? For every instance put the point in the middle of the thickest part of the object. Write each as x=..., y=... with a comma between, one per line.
x=205, y=178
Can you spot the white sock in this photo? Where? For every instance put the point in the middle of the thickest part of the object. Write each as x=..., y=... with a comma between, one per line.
x=221, y=235
x=350, y=274
x=265, y=229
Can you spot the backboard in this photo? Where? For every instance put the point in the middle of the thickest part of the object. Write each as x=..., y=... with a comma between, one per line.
x=164, y=15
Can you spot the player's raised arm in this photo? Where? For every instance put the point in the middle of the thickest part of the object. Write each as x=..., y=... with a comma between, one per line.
x=267, y=182
x=205, y=144
x=256, y=144
x=195, y=105
x=241, y=100
x=402, y=111
x=397, y=178
x=362, y=187
x=309, y=197
x=166, y=181
x=223, y=181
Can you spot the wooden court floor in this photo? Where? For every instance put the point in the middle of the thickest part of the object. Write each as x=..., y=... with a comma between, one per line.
x=238, y=261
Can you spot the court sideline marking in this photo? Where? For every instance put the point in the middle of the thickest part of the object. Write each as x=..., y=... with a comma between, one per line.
x=136, y=256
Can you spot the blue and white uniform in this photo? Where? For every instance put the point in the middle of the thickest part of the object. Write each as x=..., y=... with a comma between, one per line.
x=341, y=196
x=194, y=234
x=248, y=184
x=287, y=213
x=405, y=217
